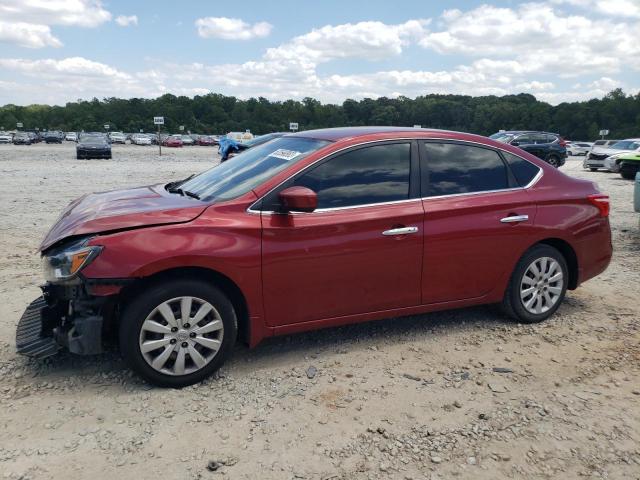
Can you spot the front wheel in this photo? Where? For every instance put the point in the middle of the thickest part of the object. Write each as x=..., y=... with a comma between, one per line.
x=627, y=174
x=537, y=286
x=178, y=333
x=593, y=169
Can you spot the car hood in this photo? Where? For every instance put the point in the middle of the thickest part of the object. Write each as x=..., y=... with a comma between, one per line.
x=121, y=210
x=609, y=151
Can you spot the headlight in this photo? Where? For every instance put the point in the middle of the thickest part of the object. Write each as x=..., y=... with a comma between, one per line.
x=64, y=264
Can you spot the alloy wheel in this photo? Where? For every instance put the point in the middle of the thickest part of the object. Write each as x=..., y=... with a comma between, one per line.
x=181, y=336
x=541, y=285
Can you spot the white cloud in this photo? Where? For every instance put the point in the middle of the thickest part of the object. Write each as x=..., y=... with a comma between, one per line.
x=231, y=28
x=535, y=38
x=26, y=23
x=27, y=35
x=84, y=13
x=127, y=20
x=614, y=8
x=369, y=40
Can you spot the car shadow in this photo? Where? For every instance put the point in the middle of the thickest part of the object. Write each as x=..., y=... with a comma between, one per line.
x=287, y=351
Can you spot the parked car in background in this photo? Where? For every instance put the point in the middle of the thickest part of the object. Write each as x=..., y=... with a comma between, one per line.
x=618, y=149
x=22, y=138
x=629, y=164
x=187, y=140
x=53, y=136
x=34, y=137
x=71, y=136
x=239, y=137
x=259, y=140
x=140, y=139
x=6, y=137
x=578, y=148
x=93, y=146
x=601, y=149
x=549, y=147
x=345, y=221
x=205, y=141
x=118, y=137
x=172, y=141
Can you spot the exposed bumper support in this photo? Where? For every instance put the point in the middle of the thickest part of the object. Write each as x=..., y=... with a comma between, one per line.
x=64, y=317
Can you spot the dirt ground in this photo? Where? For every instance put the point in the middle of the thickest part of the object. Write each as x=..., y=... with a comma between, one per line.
x=410, y=398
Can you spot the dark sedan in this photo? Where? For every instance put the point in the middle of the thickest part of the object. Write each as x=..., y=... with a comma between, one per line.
x=93, y=146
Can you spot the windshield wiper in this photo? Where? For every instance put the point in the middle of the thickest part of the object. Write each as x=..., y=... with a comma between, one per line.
x=184, y=193
x=175, y=183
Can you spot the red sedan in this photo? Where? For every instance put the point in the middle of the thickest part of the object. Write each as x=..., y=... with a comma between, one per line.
x=206, y=141
x=311, y=230
x=172, y=141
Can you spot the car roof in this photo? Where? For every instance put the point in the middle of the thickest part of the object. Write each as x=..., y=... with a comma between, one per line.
x=528, y=131
x=342, y=133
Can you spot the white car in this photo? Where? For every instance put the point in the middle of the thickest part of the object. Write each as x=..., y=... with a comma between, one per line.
x=140, y=139
x=71, y=136
x=598, y=156
x=578, y=148
x=6, y=137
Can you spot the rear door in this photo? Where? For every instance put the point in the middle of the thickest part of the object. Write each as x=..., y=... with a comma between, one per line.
x=478, y=218
x=360, y=251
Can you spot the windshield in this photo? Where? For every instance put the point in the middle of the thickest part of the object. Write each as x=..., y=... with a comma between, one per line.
x=626, y=145
x=502, y=137
x=246, y=171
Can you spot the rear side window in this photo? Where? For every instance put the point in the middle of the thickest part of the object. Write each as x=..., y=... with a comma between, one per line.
x=359, y=177
x=523, y=171
x=454, y=168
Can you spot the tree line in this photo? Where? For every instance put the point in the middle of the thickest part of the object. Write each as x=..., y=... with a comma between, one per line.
x=215, y=113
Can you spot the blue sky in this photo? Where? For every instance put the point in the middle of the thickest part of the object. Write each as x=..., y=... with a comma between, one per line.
x=558, y=50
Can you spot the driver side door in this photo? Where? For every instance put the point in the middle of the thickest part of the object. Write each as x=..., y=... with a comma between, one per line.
x=360, y=251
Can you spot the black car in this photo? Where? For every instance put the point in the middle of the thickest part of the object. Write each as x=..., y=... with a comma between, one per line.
x=53, y=136
x=93, y=146
x=549, y=147
x=22, y=138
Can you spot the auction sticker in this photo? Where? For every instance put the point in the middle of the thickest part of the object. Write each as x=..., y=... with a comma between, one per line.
x=284, y=154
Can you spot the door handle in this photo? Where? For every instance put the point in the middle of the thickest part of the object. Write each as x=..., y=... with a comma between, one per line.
x=400, y=231
x=515, y=219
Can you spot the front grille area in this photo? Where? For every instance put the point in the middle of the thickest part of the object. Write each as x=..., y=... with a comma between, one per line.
x=597, y=156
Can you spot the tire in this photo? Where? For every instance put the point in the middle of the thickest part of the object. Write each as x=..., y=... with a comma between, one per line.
x=514, y=303
x=553, y=161
x=593, y=169
x=627, y=174
x=147, y=309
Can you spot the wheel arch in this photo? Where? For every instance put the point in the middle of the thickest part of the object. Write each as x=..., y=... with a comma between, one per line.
x=223, y=282
x=569, y=255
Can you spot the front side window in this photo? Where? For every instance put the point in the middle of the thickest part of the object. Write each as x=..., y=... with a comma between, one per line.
x=524, y=140
x=454, y=169
x=363, y=176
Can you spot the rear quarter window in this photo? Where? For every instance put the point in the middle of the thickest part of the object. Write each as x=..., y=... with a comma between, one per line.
x=522, y=170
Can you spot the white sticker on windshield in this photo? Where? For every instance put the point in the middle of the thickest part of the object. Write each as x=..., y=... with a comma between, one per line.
x=284, y=154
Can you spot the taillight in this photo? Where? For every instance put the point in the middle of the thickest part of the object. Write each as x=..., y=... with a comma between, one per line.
x=562, y=142
x=601, y=202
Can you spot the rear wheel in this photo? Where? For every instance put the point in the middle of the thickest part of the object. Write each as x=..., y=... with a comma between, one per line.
x=553, y=161
x=537, y=286
x=178, y=333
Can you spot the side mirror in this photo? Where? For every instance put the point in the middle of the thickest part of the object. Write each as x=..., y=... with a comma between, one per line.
x=298, y=199
x=515, y=144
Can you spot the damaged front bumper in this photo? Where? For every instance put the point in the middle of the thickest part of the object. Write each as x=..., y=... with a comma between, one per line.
x=65, y=316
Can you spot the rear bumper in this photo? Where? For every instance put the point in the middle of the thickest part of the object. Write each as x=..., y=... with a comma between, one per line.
x=93, y=153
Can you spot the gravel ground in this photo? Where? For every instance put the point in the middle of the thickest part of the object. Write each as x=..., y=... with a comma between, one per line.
x=459, y=394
